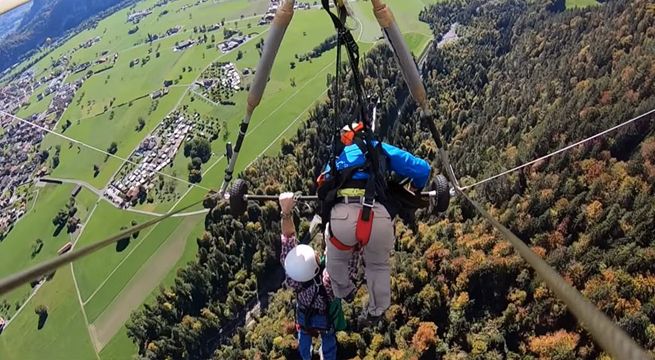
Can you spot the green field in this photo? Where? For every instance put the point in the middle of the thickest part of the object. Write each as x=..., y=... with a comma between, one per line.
x=570, y=4
x=16, y=248
x=142, y=248
x=64, y=334
x=106, y=109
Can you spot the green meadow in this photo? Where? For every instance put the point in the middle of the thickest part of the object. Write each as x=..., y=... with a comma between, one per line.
x=17, y=248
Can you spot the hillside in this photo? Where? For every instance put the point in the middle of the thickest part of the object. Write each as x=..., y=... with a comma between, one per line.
x=47, y=19
x=11, y=19
x=523, y=79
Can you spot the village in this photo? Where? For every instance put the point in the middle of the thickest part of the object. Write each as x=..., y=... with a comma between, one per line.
x=153, y=154
x=19, y=142
x=272, y=8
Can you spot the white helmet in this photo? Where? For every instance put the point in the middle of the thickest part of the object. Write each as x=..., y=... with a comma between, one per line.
x=300, y=263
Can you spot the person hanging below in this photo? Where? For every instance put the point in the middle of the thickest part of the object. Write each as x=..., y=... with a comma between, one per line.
x=318, y=312
x=360, y=207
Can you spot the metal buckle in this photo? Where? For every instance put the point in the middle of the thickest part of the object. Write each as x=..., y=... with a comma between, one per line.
x=369, y=205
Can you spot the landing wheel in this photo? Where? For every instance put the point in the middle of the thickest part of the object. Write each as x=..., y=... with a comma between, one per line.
x=440, y=202
x=238, y=203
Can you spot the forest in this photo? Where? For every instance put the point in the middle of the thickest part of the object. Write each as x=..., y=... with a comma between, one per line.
x=522, y=80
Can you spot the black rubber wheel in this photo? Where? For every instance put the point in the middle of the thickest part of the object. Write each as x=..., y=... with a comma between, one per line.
x=238, y=203
x=442, y=199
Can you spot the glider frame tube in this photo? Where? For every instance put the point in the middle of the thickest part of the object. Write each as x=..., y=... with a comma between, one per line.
x=283, y=17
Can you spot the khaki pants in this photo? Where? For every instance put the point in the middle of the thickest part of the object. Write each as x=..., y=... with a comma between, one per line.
x=343, y=222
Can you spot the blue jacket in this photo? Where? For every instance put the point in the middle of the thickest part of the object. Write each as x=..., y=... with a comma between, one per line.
x=401, y=162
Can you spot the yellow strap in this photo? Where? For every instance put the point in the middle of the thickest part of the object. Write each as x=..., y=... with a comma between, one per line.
x=350, y=192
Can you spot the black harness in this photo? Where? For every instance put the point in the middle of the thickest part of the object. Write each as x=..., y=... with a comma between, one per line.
x=375, y=165
x=309, y=311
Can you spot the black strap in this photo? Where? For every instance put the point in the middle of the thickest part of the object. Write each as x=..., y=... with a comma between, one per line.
x=372, y=162
x=345, y=37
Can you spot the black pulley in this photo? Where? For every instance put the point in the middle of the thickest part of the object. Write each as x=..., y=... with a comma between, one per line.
x=238, y=202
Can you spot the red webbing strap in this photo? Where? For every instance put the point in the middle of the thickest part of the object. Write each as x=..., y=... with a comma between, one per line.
x=364, y=227
x=339, y=245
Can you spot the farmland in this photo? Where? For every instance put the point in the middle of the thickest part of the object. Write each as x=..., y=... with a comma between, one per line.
x=89, y=300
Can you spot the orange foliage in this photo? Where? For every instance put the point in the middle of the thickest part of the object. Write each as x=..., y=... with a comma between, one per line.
x=458, y=263
x=546, y=194
x=627, y=306
x=394, y=313
x=461, y=301
x=645, y=285
x=502, y=248
x=582, y=85
x=541, y=292
x=627, y=74
x=289, y=327
x=593, y=169
x=555, y=239
x=476, y=259
x=476, y=240
x=648, y=152
x=602, y=290
x=594, y=210
x=539, y=251
x=435, y=253
x=606, y=97
x=187, y=321
x=560, y=342
x=425, y=336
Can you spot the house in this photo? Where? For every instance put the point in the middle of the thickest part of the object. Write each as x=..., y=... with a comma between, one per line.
x=65, y=248
x=133, y=193
x=173, y=30
x=137, y=16
x=159, y=93
x=184, y=45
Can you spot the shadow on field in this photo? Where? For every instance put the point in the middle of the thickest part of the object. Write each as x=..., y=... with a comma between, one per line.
x=42, y=319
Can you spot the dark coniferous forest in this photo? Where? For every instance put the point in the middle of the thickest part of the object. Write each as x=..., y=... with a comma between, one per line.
x=522, y=79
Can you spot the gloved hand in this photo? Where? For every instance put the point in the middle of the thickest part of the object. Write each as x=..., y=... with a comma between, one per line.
x=287, y=202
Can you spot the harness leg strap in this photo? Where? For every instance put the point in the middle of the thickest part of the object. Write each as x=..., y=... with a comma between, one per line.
x=339, y=245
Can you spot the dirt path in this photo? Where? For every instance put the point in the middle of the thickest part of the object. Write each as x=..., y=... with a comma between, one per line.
x=148, y=278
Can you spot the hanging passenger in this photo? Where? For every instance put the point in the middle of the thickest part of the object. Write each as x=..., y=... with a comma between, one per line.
x=318, y=313
x=360, y=208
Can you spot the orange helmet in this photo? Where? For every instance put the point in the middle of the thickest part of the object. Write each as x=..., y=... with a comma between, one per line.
x=348, y=132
